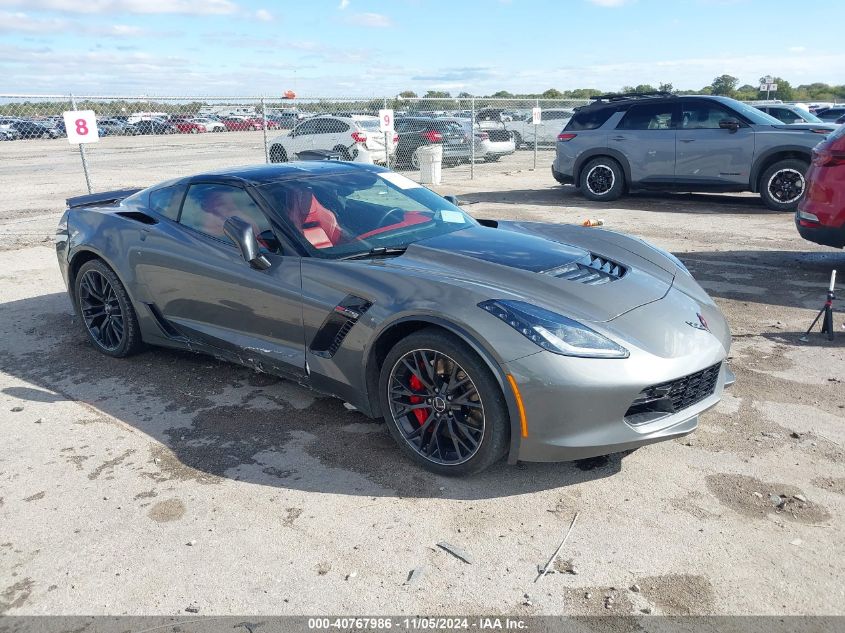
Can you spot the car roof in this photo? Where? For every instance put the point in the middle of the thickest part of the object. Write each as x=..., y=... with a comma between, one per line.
x=262, y=174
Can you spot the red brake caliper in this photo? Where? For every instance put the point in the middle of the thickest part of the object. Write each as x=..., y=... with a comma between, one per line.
x=419, y=414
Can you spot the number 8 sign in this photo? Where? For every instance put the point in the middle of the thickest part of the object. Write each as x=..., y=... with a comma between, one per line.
x=81, y=126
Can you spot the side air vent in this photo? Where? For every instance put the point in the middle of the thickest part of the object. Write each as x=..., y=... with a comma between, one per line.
x=592, y=270
x=337, y=325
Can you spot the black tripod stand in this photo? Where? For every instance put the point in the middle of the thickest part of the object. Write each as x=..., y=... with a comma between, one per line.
x=827, y=311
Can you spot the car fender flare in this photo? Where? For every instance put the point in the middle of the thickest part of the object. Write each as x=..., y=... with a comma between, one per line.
x=84, y=249
x=589, y=154
x=487, y=354
x=765, y=159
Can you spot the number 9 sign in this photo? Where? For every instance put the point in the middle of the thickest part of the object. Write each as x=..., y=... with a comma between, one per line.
x=385, y=120
x=81, y=126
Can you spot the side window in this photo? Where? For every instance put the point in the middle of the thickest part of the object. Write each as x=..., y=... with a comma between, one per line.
x=700, y=115
x=589, y=119
x=333, y=126
x=649, y=116
x=208, y=206
x=304, y=128
x=167, y=200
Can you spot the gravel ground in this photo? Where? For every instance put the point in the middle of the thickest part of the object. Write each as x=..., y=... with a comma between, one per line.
x=148, y=485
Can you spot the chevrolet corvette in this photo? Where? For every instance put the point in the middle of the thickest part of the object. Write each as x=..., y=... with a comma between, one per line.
x=474, y=339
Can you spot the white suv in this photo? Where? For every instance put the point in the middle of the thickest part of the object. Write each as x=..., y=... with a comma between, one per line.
x=354, y=137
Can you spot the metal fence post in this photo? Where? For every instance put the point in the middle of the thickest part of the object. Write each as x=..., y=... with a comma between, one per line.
x=82, y=152
x=472, y=141
x=264, y=129
x=386, y=146
x=536, y=140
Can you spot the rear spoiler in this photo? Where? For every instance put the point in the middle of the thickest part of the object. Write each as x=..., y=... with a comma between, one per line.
x=105, y=197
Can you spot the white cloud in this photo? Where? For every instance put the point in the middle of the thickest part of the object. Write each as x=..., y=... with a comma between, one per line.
x=797, y=49
x=187, y=7
x=609, y=3
x=23, y=23
x=264, y=15
x=373, y=20
x=343, y=4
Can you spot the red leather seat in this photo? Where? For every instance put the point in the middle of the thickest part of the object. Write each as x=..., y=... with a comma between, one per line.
x=318, y=224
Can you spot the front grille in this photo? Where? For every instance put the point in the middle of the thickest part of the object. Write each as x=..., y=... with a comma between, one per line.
x=592, y=270
x=499, y=135
x=673, y=396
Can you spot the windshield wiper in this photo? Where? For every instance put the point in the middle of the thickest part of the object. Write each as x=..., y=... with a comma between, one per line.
x=379, y=251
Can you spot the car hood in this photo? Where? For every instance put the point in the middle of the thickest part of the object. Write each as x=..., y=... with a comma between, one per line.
x=806, y=127
x=587, y=274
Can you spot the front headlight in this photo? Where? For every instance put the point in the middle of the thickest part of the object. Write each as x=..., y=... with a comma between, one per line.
x=552, y=331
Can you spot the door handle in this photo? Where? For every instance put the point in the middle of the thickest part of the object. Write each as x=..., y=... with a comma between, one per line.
x=618, y=138
x=686, y=140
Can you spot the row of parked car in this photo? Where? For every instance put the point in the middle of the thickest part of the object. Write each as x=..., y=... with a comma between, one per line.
x=356, y=137
x=12, y=128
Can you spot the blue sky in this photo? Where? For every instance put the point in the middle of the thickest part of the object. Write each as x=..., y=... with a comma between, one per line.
x=380, y=47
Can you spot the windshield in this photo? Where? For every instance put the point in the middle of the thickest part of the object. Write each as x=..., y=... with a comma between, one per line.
x=754, y=115
x=808, y=116
x=371, y=125
x=345, y=214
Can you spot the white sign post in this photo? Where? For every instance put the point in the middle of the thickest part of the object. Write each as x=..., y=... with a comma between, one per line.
x=81, y=128
x=536, y=119
x=385, y=125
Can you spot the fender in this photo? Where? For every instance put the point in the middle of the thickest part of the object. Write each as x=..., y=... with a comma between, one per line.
x=487, y=354
x=601, y=151
x=757, y=168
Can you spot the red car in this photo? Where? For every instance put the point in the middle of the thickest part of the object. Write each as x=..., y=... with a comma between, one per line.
x=240, y=123
x=189, y=127
x=821, y=215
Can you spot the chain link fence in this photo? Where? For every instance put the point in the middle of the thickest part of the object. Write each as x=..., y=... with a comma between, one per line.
x=144, y=140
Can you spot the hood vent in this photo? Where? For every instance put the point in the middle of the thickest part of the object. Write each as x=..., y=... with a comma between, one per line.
x=592, y=270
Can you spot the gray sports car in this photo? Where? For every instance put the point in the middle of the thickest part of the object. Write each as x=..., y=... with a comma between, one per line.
x=474, y=339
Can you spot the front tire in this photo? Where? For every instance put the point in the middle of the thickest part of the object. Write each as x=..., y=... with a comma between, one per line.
x=442, y=404
x=278, y=154
x=602, y=180
x=782, y=185
x=106, y=310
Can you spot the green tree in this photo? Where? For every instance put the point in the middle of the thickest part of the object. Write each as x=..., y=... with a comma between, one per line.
x=502, y=94
x=724, y=85
x=408, y=94
x=552, y=93
x=436, y=94
x=666, y=87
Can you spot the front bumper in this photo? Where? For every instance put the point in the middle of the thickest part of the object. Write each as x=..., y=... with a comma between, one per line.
x=575, y=415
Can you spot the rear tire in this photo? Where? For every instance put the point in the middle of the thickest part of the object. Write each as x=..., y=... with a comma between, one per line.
x=106, y=310
x=278, y=154
x=782, y=186
x=462, y=439
x=343, y=151
x=602, y=179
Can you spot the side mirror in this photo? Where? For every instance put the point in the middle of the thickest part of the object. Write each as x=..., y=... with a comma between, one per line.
x=453, y=200
x=241, y=233
x=729, y=124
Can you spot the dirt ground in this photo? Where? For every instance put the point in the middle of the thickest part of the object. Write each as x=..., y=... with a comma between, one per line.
x=168, y=481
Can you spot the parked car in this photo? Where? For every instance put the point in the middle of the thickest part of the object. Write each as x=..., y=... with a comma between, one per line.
x=417, y=132
x=353, y=138
x=685, y=143
x=112, y=126
x=185, y=126
x=29, y=129
x=211, y=125
x=788, y=113
x=8, y=134
x=552, y=121
x=473, y=340
x=821, y=214
x=831, y=114
x=286, y=120
x=240, y=123
x=151, y=126
x=490, y=145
